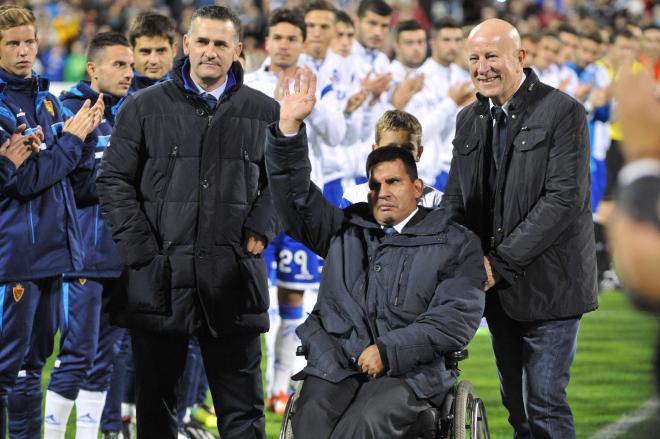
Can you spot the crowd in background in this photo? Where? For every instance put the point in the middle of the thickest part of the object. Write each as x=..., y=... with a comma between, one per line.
x=67, y=26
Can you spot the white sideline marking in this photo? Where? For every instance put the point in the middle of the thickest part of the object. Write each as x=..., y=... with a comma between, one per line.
x=616, y=429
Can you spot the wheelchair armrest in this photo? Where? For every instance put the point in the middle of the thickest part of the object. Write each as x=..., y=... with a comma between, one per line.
x=452, y=358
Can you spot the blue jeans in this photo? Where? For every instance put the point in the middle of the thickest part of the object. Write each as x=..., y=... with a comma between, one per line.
x=534, y=360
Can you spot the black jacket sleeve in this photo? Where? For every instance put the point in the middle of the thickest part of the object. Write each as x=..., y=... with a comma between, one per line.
x=117, y=185
x=305, y=213
x=262, y=218
x=452, y=198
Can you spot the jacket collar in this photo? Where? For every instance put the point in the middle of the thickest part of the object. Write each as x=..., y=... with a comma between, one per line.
x=525, y=94
x=33, y=84
x=424, y=222
x=83, y=90
x=181, y=71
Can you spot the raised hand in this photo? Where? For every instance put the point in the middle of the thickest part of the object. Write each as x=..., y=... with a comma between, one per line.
x=296, y=105
x=462, y=94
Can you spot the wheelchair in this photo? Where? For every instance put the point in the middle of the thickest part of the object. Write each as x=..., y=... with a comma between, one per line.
x=461, y=415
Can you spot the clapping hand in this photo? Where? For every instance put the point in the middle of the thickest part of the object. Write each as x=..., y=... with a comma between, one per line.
x=86, y=119
x=296, y=105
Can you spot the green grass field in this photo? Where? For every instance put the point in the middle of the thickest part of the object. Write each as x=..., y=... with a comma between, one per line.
x=611, y=375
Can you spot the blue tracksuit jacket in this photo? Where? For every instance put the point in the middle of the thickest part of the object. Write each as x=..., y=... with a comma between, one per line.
x=101, y=257
x=39, y=234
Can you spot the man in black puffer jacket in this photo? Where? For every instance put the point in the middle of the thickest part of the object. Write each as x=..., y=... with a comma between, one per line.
x=184, y=190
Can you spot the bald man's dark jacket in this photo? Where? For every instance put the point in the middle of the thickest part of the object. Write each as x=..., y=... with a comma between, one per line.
x=534, y=219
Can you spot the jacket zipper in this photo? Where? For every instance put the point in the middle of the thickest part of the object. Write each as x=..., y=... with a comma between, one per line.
x=97, y=216
x=31, y=221
x=398, y=287
x=246, y=163
x=174, y=153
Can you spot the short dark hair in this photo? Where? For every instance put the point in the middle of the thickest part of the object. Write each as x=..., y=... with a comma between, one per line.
x=343, y=17
x=446, y=23
x=103, y=40
x=567, y=28
x=406, y=26
x=390, y=154
x=650, y=27
x=151, y=24
x=287, y=15
x=621, y=33
x=219, y=13
x=549, y=34
x=320, y=5
x=533, y=37
x=378, y=7
x=593, y=36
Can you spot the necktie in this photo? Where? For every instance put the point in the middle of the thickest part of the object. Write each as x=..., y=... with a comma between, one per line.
x=210, y=100
x=389, y=231
x=499, y=134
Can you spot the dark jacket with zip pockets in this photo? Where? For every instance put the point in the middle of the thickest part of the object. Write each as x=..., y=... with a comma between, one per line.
x=539, y=235
x=39, y=233
x=101, y=259
x=417, y=295
x=179, y=186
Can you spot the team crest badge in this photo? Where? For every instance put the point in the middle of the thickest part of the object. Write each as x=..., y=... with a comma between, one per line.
x=83, y=281
x=49, y=106
x=18, y=292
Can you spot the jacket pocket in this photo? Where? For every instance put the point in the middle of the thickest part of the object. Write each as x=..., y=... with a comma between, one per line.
x=402, y=282
x=528, y=139
x=171, y=161
x=148, y=289
x=255, y=284
x=465, y=145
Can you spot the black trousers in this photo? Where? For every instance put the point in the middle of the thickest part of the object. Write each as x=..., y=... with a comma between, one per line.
x=356, y=408
x=232, y=365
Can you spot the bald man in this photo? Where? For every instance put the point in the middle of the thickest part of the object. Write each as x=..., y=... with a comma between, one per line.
x=520, y=179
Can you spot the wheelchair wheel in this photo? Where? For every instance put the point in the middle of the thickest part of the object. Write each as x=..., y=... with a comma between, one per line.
x=286, y=430
x=469, y=420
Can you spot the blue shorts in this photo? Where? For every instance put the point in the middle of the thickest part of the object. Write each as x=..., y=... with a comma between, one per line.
x=292, y=265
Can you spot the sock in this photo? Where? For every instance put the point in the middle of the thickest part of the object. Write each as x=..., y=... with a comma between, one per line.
x=89, y=407
x=270, y=337
x=58, y=409
x=286, y=344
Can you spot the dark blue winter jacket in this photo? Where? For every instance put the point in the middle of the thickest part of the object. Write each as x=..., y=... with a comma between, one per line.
x=39, y=234
x=101, y=256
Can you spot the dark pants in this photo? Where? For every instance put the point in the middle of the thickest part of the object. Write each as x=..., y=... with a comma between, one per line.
x=232, y=364
x=534, y=360
x=355, y=408
x=28, y=322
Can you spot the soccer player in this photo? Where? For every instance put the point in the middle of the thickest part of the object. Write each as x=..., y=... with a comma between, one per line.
x=38, y=226
x=84, y=365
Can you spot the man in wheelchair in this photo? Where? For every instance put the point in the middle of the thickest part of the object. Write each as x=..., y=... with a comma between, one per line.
x=402, y=285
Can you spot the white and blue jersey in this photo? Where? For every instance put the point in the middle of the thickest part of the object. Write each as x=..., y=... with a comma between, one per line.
x=301, y=272
x=437, y=112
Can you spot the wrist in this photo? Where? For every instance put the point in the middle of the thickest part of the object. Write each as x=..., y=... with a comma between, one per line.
x=289, y=127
